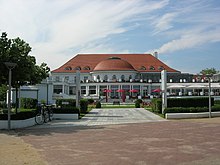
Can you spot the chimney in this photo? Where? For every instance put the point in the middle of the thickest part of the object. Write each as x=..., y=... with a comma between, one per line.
x=155, y=54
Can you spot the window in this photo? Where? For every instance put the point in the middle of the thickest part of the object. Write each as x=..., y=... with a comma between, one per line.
x=142, y=68
x=114, y=77
x=83, y=90
x=72, y=90
x=66, y=78
x=78, y=68
x=98, y=77
x=152, y=68
x=57, y=78
x=86, y=78
x=130, y=77
x=68, y=68
x=86, y=68
x=57, y=89
x=123, y=77
x=160, y=68
x=106, y=78
x=92, y=90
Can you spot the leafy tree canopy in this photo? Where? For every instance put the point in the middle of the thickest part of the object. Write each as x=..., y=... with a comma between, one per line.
x=209, y=71
x=17, y=51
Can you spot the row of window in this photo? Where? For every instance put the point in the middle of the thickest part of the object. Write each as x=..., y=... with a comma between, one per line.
x=77, y=68
x=88, y=68
x=151, y=68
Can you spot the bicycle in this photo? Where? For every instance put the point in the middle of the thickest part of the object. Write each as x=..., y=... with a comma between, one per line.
x=44, y=115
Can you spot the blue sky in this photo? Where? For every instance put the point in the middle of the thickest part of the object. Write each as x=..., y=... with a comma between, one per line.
x=185, y=33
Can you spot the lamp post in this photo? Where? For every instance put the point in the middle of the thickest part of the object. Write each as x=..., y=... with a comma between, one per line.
x=10, y=66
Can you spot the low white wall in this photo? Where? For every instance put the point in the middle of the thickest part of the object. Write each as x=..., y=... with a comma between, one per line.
x=17, y=123
x=191, y=115
x=65, y=116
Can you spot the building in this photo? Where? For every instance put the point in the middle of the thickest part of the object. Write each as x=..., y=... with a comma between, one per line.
x=118, y=75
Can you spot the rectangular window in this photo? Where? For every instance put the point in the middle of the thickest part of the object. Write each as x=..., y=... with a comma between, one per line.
x=72, y=90
x=57, y=78
x=57, y=89
x=83, y=90
x=92, y=90
x=66, y=78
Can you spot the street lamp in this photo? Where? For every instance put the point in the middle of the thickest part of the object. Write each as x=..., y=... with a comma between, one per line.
x=10, y=66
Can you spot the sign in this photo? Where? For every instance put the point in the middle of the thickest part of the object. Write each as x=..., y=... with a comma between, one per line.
x=164, y=89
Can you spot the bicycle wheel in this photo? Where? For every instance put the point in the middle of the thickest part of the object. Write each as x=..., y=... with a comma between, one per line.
x=39, y=119
x=46, y=117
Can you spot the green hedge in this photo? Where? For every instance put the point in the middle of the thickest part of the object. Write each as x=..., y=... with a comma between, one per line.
x=28, y=103
x=71, y=103
x=217, y=102
x=19, y=116
x=157, y=105
x=191, y=109
x=98, y=105
x=189, y=102
x=72, y=110
x=83, y=105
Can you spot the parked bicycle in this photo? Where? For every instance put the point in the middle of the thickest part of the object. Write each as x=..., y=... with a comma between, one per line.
x=44, y=115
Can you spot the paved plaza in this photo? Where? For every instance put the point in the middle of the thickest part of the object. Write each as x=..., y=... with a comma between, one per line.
x=106, y=117
x=92, y=141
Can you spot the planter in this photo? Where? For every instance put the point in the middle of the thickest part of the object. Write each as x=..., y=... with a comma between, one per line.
x=63, y=116
x=191, y=115
x=17, y=123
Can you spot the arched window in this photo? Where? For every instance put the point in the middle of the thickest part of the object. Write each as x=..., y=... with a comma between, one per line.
x=78, y=68
x=160, y=68
x=114, y=77
x=142, y=68
x=98, y=77
x=106, y=78
x=152, y=68
x=86, y=68
x=68, y=68
x=130, y=77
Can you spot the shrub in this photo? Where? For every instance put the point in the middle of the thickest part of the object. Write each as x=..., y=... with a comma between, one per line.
x=157, y=105
x=19, y=116
x=70, y=103
x=139, y=101
x=217, y=102
x=28, y=103
x=72, y=110
x=137, y=104
x=98, y=105
x=90, y=101
x=83, y=105
x=189, y=102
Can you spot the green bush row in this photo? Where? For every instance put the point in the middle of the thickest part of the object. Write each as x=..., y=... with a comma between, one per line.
x=191, y=109
x=83, y=105
x=28, y=103
x=70, y=103
x=19, y=116
x=72, y=110
x=156, y=105
x=189, y=102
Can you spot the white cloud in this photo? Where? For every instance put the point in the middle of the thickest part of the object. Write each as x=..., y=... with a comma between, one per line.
x=56, y=28
x=194, y=23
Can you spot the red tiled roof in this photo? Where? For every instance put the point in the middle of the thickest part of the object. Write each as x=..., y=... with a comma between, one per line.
x=87, y=63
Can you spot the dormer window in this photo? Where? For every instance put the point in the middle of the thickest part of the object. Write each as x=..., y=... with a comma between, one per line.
x=160, y=68
x=68, y=68
x=152, y=68
x=78, y=68
x=86, y=68
x=142, y=68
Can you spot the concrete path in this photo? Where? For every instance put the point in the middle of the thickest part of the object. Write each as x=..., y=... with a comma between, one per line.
x=106, y=117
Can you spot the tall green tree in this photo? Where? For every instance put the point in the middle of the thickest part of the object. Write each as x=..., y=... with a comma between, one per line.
x=209, y=71
x=17, y=51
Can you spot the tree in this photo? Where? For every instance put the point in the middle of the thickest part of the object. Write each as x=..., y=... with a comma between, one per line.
x=209, y=71
x=17, y=51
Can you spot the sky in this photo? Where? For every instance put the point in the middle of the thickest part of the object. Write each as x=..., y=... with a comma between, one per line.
x=185, y=33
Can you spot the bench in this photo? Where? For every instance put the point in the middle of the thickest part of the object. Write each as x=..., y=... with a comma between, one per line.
x=116, y=102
